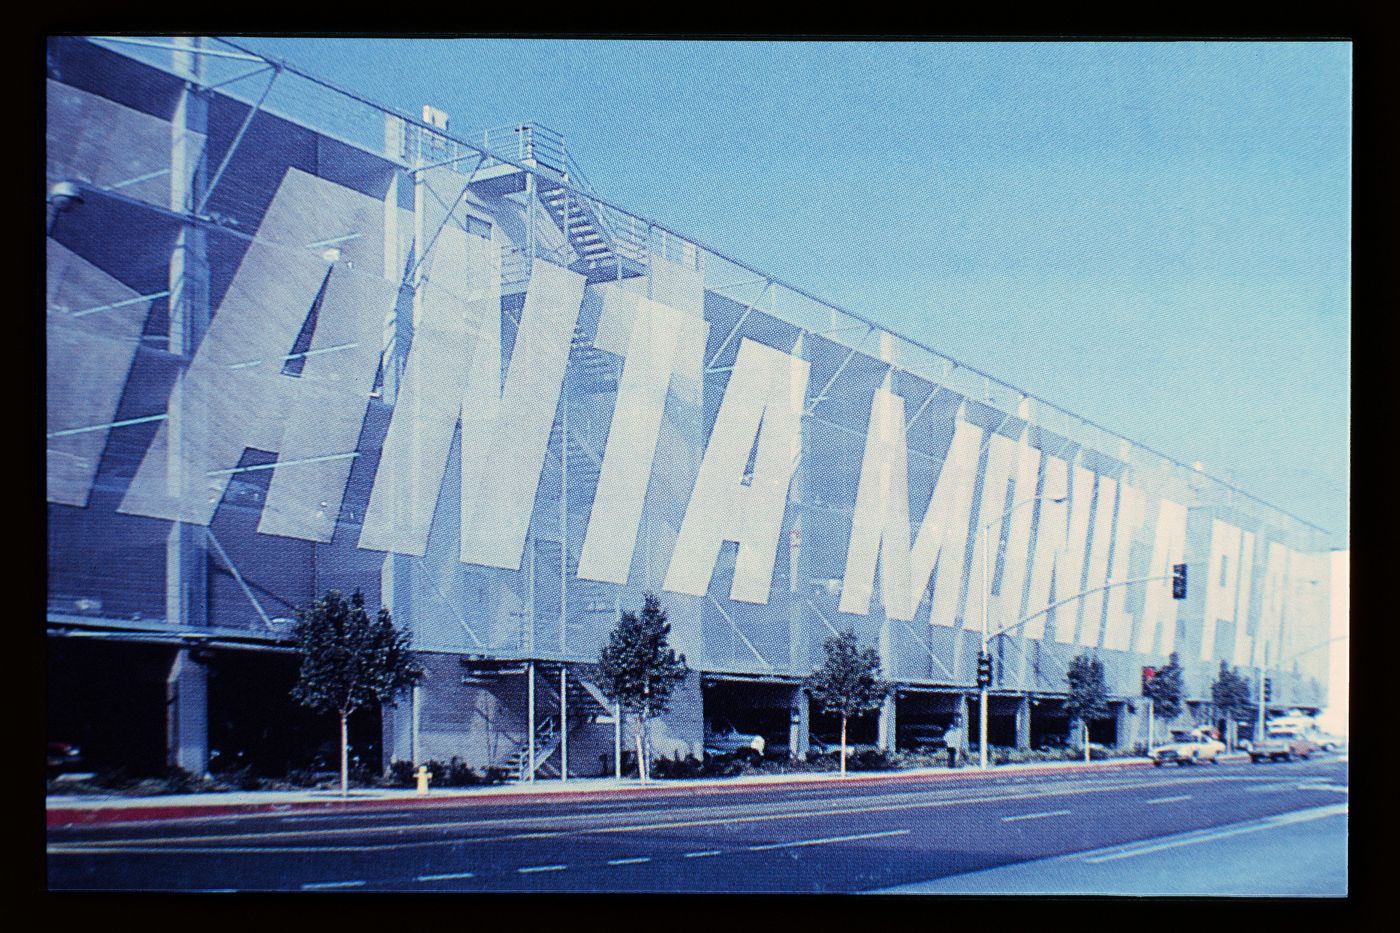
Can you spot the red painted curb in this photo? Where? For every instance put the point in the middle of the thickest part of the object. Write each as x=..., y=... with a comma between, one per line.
x=71, y=816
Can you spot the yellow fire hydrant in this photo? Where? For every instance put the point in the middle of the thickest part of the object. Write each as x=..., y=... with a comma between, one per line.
x=424, y=776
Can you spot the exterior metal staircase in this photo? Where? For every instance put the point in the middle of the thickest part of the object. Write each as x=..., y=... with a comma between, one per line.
x=586, y=705
x=604, y=243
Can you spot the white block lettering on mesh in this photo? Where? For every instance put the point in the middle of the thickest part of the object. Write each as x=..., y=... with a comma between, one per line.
x=452, y=372
x=1096, y=574
x=1061, y=537
x=880, y=521
x=1158, y=629
x=1222, y=581
x=944, y=529
x=763, y=401
x=1275, y=614
x=1244, y=648
x=1132, y=509
x=660, y=343
x=235, y=388
x=1001, y=460
x=89, y=356
x=510, y=450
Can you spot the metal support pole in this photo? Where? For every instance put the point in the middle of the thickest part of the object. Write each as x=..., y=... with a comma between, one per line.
x=617, y=739
x=564, y=517
x=1259, y=727
x=530, y=219
x=982, y=706
x=1151, y=714
x=186, y=553
x=563, y=723
x=530, y=702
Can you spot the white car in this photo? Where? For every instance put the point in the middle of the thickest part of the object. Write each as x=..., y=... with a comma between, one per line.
x=1188, y=747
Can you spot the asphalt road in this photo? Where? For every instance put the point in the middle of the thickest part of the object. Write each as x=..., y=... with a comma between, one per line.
x=751, y=838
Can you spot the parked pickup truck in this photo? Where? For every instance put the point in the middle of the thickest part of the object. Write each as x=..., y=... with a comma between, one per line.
x=1282, y=745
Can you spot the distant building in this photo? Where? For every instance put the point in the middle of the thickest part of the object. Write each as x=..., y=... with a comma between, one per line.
x=296, y=342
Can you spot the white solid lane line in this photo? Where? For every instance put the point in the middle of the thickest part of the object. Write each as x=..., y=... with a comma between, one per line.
x=447, y=877
x=629, y=861
x=701, y=854
x=822, y=842
x=320, y=885
x=1034, y=816
x=532, y=868
x=1170, y=799
x=1282, y=819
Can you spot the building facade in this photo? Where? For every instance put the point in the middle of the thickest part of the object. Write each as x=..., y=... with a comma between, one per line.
x=297, y=342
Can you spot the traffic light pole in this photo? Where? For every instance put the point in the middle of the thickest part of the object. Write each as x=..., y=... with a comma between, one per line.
x=984, y=681
x=1264, y=698
x=1259, y=724
x=1068, y=599
x=982, y=717
x=987, y=637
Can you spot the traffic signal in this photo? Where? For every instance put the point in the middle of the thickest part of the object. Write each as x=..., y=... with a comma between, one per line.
x=1147, y=674
x=1268, y=689
x=984, y=669
x=1178, y=581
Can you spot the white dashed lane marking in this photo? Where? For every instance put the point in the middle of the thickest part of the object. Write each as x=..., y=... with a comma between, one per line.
x=701, y=854
x=534, y=868
x=447, y=877
x=1034, y=816
x=629, y=861
x=1177, y=799
x=324, y=885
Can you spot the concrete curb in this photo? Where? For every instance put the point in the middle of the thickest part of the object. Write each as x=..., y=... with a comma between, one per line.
x=155, y=809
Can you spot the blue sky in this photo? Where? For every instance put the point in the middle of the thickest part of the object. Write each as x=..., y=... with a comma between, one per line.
x=1155, y=236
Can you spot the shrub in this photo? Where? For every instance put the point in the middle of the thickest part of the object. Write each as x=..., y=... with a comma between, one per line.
x=401, y=774
x=678, y=767
x=608, y=765
x=870, y=759
x=241, y=778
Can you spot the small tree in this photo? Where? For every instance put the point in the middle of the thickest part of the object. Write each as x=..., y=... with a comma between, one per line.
x=1088, y=693
x=1230, y=695
x=847, y=683
x=638, y=670
x=349, y=661
x=1165, y=691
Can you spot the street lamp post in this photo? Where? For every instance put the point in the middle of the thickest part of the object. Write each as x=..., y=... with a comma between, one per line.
x=986, y=598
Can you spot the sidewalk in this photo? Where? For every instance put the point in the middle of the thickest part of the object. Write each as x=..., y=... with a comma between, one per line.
x=67, y=810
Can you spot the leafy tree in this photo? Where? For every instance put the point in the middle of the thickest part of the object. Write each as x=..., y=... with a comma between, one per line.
x=1165, y=690
x=847, y=683
x=639, y=670
x=1088, y=693
x=1231, y=695
x=349, y=661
